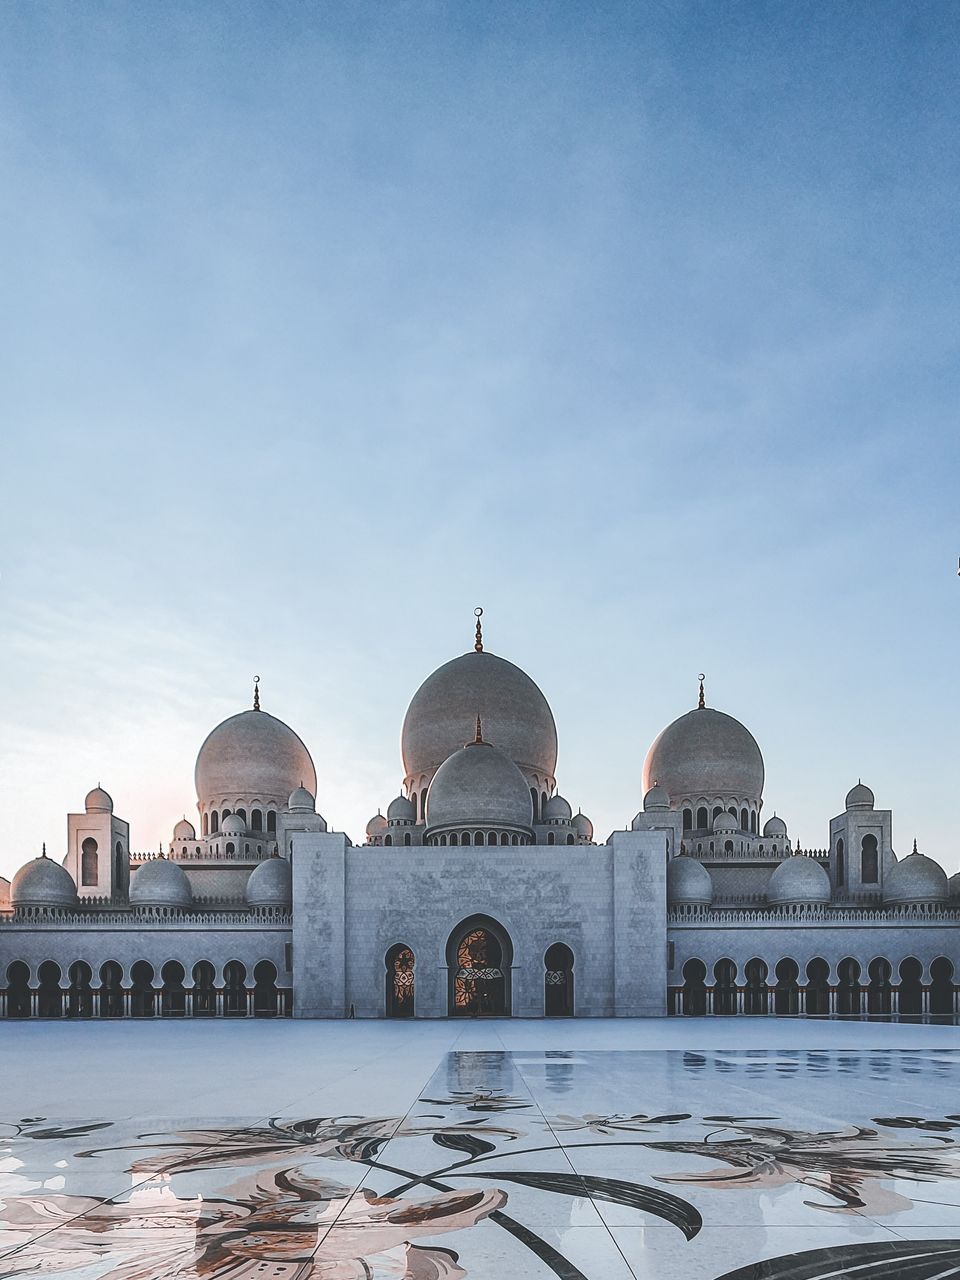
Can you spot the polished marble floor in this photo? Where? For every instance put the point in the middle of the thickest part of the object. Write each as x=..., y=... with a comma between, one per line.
x=750, y=1149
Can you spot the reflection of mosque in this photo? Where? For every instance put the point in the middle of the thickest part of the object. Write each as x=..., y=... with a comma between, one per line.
x=479, y=891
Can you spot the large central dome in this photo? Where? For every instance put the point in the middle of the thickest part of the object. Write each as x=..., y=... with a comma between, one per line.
x=443, y=714
x=252, y=756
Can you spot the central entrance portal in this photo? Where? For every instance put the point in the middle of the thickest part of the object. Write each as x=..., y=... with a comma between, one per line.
x=479, y=956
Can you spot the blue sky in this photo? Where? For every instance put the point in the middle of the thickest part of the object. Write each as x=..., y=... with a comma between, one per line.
x=635, y=324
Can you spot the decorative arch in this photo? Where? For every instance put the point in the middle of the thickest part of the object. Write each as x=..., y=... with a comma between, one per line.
x=869, y=860
x=400, y=963
x=89, y=863
x=479, y=959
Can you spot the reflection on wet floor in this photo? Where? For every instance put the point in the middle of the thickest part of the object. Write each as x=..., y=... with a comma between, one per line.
x=579, y=1164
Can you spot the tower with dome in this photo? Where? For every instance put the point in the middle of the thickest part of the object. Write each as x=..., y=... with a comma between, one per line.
x=478, y=890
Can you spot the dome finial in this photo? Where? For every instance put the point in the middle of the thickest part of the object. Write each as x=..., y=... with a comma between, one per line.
x=479, y=737
x=478, y=645
x=701, y=704
x=43, y=852
x=256, y=693
x=915, y=849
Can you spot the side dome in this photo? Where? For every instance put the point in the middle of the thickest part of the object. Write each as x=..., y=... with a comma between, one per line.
x=859, y=797
x=656, y=799
x=479, y=785
x=160, y=883
x=705, y=753
x=798, y=880
x=443, y=711
x=233, y=826
x=98, y=801
x=270, y=884
x=688, y=883
x=43, y=883
x=775, y=827
x=184, y=830
x=583, y=826
x=557, y=809
x=916, y=878
x=252, y=756
x=725, y=822
x=401, y=809
x=301, y=800
x=376, y=826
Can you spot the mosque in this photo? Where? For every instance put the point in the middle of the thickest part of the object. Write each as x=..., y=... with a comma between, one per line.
x=481, y=891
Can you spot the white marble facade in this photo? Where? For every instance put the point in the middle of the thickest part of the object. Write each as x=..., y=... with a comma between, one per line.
x=480, y=889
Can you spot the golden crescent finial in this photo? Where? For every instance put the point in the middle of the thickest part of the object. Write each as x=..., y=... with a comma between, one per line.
x=256, y=693
x=478, y=645
x=702, y=703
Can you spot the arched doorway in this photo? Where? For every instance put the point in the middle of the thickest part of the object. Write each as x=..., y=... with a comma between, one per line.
x=234, y=990
x=80, y=995
x=204, y=990
x=558, y=981
x=401, y=989
x=50, y=996
x=173, y=997
x=18, y=990
x=479, y=955
x=265, y=993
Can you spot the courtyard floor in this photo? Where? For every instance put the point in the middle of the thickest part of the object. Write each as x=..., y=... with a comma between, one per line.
x=747, y=1149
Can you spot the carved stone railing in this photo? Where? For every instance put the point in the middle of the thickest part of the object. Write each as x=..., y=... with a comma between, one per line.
x=176, y=917
x=917, y=913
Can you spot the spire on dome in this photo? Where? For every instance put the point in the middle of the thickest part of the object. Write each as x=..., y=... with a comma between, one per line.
x=478, y=614
x=256, y=693
x=479, y=737
x=702, y=703
x=915, y=849
x=43, y=850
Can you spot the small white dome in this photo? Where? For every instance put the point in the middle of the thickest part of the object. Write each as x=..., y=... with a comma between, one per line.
x=775, y=827
x=43, y=883
x=656, y=798
x=233, y=826
x=270, y=884
x=798, y=880
x=479, y=784
x=98, y=801
x=583, y=826
x=916, y=878
x=726, y=822
x=252, y=755
x=688, y=882
x=184, y=830
x=400, y=809
x=859, y=797
x=160, y=883
x=557, y=809
x=301, y=801
x=704, y=753
x=953, y=885
x=376, y=825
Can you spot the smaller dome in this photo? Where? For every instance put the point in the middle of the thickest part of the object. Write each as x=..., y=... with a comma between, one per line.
x=798, y=880
x=233, y=826
x=479, y=784
x=400, y=809
x=43, y=883
x=859, y=797
x=656, y=798
x=688, y=882
x=557, y=809
x=583, y=826
x=160, y=883
x=916, y=878
x=184, y=830
x=775, y=827
x=301, y=801
x=98, y=801
x=726, y=822
x=270, y=884
x=953, y=885
x=377, y=825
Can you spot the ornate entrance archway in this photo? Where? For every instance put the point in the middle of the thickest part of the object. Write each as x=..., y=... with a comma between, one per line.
x=479, y=956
